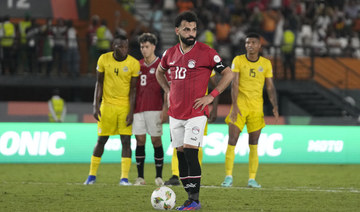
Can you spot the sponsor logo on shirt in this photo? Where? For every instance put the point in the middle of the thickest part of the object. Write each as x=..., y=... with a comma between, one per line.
x=220, y=65
x=191, y=64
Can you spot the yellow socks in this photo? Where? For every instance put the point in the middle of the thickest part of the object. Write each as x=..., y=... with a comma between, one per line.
x=94, y=165
x=125, y=167
x=200, y=155
x=175, y=162
x=253, y=161
x=229, y=159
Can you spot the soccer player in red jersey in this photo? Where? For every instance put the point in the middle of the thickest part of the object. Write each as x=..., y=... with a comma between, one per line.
x=148, y=109
x=190, y=63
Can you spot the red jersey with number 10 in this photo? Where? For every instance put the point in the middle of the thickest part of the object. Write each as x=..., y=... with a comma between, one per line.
x=149, y=95
x=190, y=74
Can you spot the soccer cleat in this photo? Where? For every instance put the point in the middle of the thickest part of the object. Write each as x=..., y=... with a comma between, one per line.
x=159, y=181
x=174, y=180
x=253, y=184
x=139, y=181
x=90, y=180
x=228, y=181
x=124, y=182
x=189, y=206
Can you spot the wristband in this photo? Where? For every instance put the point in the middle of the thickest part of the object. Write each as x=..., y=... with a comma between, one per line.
x=214, y=93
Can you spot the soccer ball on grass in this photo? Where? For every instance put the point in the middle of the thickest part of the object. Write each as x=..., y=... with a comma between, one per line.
x=163, y=198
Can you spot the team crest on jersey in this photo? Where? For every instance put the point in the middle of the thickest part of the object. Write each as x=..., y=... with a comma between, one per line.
x=125, y=69
x=195, y=130
x=152, y=71
x=191, y=64
x=217, y=59
x=260, y=69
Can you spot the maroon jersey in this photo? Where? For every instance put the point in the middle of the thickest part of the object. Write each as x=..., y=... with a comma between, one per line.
x=190, y=73
x=149, y=95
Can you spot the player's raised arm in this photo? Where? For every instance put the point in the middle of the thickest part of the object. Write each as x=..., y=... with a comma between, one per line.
x=271, y=91
x=98, y=94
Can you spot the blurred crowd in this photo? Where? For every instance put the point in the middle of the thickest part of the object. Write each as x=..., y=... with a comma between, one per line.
x=39, y=49
x=331, y=27
x=287, y=27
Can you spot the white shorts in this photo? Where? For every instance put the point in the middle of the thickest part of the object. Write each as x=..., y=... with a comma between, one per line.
x=147, y=122
x=190, y=131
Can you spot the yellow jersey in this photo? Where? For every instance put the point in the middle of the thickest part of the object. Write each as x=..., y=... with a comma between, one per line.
x=117, y=77
x=251, y=81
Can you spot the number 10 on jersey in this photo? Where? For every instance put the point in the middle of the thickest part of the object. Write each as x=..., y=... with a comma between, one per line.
x=180, y=72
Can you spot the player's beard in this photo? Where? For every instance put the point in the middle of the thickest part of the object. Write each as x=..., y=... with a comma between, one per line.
x=187, y=41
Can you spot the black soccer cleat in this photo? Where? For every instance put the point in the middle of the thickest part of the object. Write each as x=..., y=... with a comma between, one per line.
x=174, y=180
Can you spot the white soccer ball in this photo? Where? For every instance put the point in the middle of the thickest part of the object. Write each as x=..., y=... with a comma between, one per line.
x=163, y=198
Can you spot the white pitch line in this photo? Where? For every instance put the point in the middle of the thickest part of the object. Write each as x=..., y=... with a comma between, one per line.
x=301, y=189
x=296, y=189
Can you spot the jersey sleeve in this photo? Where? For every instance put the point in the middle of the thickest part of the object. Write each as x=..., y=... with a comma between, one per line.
x=163, y=63
x=100, y=64
x=235, y=67
x=136, y=68
x=168, y=75
x=269, y=70
x=214, y=59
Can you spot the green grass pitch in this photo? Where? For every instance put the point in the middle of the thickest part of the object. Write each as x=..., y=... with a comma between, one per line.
x=286, y=187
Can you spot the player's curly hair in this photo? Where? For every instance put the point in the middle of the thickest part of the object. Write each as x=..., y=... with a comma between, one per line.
x=187, y=16
x=148, y=37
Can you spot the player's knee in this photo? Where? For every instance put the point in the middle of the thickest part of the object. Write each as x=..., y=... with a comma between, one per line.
x=140, y=143
x=156, y=141
x=232, y=141
x=102, y=140
x=180, y=149
x=253, y=141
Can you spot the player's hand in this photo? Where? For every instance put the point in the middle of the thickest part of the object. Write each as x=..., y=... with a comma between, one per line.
x=234, y=112
x=129, y=119
x=164, y=117
x=203, y=101
x=276, y=114
x=96, y=113
x=213, y=116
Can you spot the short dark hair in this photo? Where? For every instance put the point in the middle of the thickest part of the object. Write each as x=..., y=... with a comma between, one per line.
x=187, y=16
x=121, y=37
x=253, y=35
x=147, y=37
